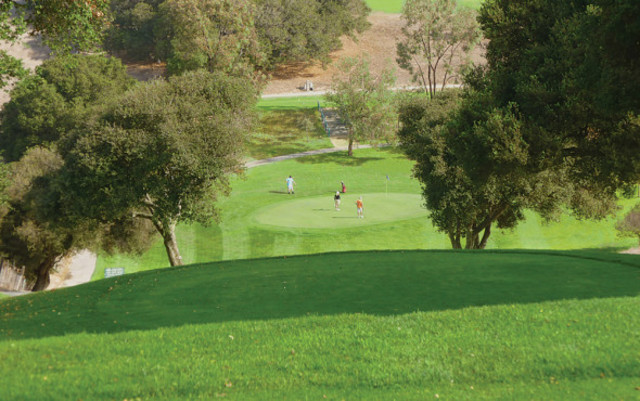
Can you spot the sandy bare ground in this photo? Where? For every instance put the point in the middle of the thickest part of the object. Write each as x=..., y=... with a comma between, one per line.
x=30, y=50
x=632, y=251
x=74, y=270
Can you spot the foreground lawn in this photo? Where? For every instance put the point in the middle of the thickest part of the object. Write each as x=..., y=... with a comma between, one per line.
x=358, y=326
x=259, y=219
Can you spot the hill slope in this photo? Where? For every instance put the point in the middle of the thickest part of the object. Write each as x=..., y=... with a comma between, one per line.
x=370, y=325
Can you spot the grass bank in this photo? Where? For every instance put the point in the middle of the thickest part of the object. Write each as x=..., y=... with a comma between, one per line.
x=360, y=326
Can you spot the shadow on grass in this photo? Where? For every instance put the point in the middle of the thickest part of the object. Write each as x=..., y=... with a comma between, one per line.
x=375, y=283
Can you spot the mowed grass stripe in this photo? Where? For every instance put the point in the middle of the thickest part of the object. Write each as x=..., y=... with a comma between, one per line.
x=371, y=325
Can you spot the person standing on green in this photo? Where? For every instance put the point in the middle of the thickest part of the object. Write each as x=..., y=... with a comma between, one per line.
x=290, y=184
x=360, y=207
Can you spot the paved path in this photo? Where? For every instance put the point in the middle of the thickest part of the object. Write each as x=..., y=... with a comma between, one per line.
x=80, y=268
x=275, y=159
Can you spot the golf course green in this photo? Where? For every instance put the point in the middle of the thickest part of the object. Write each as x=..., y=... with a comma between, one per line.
x=319, y=212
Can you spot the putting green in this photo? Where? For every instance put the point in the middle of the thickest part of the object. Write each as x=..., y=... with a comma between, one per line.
x=318, y=212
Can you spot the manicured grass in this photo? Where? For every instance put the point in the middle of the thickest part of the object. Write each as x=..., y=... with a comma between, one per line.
x=282, y=132
x=290, y=103
x=241, y=235
x=493, y=325
x=320, y=212
x=395, y=6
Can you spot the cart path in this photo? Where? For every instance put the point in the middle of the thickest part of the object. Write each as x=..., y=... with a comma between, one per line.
x=256, y=163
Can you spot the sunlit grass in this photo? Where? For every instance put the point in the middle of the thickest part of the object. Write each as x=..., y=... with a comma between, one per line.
x=395, y=6
x=361, y=326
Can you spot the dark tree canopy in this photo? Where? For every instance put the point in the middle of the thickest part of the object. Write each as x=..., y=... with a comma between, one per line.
x=572, y=70
x=64, y=25
x=46, y=105
x=164, y=153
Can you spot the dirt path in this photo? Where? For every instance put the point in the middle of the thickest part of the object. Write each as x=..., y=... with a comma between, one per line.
x=632, y=251
x=75, y=270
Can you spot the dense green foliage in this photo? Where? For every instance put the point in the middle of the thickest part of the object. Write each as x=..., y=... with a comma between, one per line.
x=304, y=30
x=265, y=33
x=215, y=35
x=64, y=91
x=64, y=25
x=364, y=101
x=383, y=325
x=163, y=153
x=474, y=166
x=437, y=38
x=570, y=70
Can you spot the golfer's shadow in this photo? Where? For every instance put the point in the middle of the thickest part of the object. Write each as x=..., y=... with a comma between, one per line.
x=345, y=217
x=321, y=210
x=278, y=192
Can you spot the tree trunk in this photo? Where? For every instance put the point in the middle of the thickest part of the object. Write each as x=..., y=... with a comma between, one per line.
x=350, y=151
x=472, y=238
x=485, y=237
x=171, y=245
x=42, y=275
x=455, y=241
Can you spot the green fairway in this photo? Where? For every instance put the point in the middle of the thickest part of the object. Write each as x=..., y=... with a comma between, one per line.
x=395, y=6
x=241, y=235
x=290, y=103
x=319, y=212
x=359, y=326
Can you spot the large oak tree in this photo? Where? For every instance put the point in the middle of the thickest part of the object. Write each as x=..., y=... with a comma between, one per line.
x=164, y=153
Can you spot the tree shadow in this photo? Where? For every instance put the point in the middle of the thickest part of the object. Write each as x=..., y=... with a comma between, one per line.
x=376, y=283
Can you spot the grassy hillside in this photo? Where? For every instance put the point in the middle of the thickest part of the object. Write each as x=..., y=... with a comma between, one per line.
x=395, y=6
x=356, y=326
x=246, y=232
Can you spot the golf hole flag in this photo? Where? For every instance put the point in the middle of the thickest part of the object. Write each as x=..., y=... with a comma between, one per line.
x=386, y=186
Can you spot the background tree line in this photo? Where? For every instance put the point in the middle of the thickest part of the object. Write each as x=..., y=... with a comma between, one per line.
x=190, y=34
